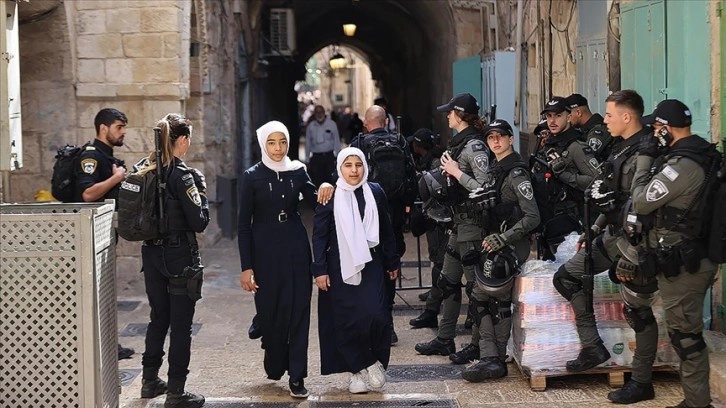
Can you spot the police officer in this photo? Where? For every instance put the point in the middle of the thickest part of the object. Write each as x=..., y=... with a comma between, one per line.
x=508, y=198
x=467, y=161
x=173, y=269
x=427, y=156
x=609, y=193
x=669, y=198
x=375, y=123
x=570, y=168
x=99, y=174
x=591, y=125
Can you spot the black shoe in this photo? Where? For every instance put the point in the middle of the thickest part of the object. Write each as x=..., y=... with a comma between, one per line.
x=588, y=358
x=125, y=352
x=437, y=346
x=466, y=355
x=254, y=331
x=683, y=405
x=485, y=369
x=632, y=392
x=428, y=318
x=394, y=336
x=298, y=390
x=151, y=384
x=178, y=398
x=424, y=296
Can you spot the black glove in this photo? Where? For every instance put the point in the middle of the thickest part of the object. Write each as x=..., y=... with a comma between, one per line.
x=556, y=161
x=649, y=146
x=200, y=181
x=601, y=195
x=495, y=242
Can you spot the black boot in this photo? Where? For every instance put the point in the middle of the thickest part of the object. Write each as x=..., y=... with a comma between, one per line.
x=298, y=390
x=424, y=296
x=254, y=331
x=588, y=358
x=428, y=318
x=177, y=398
x=151, y=384
x=437, y=346
x=466, y=355
x=484, y=369
x=124, y=352
x=632, y=392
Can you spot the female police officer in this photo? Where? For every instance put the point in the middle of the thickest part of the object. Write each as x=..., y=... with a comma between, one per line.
x=466, y=161
x=511, y=215
x=172, y=268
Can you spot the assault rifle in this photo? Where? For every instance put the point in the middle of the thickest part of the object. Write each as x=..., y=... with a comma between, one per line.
x=160, y=181
x=588, y=280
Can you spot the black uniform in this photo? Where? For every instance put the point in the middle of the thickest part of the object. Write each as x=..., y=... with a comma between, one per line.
x=172, y=270
x=597, y=137
x=95, y=165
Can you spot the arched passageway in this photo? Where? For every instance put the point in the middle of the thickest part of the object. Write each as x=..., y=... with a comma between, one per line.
x=410, y=46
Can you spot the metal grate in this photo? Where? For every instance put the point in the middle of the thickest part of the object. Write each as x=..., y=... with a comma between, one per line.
x=423, y=372
x=57, y=306
x=399, y=403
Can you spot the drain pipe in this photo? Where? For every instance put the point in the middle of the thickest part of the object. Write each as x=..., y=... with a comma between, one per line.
x=518, y=68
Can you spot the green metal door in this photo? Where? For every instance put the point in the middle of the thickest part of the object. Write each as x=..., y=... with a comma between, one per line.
x=643, y=49
x=467, y=77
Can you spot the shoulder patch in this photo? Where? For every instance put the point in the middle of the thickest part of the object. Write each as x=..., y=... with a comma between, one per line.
x=593, y=163
x=188, y=179
x=481, y=161
x=656, y=190
x=525, y=188
x=89, y=165
x=90, y=147
x=594, y=143
x=670, y=172
x=193, y=195
x=517, y=172
x=477, y=145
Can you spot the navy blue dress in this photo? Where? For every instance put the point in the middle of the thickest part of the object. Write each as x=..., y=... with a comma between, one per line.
x=354, y=322
x=274, y=243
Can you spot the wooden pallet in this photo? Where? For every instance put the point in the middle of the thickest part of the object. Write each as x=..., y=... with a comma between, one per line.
x=616, y=375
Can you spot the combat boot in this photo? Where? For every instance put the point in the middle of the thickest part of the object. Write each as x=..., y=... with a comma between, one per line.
x=424, y=296
x=428, y=318
x=588, y=358
x=151, y=384
x=484, y=369
x=178, y=398
x=466, y=355
x=632, y=392
x=437, y=346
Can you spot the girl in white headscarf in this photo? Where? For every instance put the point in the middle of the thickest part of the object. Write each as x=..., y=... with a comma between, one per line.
x=355, y=252
x=275, y=254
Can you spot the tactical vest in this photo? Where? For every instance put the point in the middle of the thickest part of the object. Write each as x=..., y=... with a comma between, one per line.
x=557, y=191
x=689, y=221
x=505, y=212
x=456, y=149
x=612, y=173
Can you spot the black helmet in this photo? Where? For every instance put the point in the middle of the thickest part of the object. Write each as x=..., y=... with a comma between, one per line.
x=496, y=271
x=434, y=184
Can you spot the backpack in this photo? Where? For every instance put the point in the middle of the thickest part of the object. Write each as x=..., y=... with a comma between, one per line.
x=713, y=201
x=63, y=180
x=387, y=160
x=138, y=204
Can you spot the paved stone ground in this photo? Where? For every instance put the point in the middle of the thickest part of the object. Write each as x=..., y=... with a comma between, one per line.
x=227, y=367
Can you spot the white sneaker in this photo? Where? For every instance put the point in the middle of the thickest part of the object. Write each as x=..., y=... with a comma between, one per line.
x=357, y=384
x=376, y=375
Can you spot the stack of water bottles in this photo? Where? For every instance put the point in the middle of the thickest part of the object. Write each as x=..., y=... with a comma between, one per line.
x=544, y=337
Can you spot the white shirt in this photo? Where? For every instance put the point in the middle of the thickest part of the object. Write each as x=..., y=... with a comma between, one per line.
x=321, y=137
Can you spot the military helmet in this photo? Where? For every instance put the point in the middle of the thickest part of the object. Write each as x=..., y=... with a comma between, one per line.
x=434, y=184
x=496, y=271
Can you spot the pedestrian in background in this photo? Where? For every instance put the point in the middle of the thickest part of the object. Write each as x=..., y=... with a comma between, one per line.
x=322, y=143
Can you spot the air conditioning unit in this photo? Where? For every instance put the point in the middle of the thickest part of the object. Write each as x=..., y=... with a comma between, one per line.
x=282, y=32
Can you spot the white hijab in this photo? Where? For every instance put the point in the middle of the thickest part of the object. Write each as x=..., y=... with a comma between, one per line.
x=355, y=236
x=262, y=134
